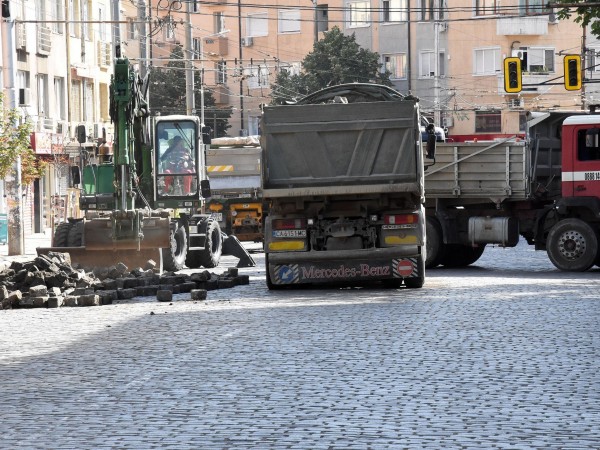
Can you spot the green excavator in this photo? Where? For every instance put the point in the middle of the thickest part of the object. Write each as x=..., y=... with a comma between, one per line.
x=142, y=197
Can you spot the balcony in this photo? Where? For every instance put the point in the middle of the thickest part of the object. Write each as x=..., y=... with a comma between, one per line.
x=522, y=26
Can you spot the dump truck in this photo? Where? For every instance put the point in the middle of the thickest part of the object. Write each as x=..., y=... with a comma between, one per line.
x=342, y=175
x=142, y=196
x=544, y=188
x=233, y=165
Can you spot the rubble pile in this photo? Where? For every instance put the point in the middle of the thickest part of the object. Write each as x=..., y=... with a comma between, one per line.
x=51, y=281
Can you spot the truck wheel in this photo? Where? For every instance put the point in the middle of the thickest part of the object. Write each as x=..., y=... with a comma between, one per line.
x=213, y=247
x=458, y=255
x=61, y=234
x=174, y=256
x=572, y=245
x=75, y=238
x=435, y=248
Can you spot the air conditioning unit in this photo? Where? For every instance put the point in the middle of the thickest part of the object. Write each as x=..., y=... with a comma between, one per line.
x=21, y=36
x=24, y=97
x=247, y=41
x=516, y=103
x=447, y=122
x=44, y=40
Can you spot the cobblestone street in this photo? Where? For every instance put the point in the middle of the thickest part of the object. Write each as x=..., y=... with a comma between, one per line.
x=501, y=355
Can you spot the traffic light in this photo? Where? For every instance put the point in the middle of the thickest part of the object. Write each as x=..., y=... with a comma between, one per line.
x=512, y=75
x=5, y=9
x=572, y=65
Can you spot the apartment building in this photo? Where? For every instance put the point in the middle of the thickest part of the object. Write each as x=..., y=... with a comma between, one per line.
x=62, y=65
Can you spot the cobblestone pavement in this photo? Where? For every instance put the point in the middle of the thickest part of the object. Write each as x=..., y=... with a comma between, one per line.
x=501, y=355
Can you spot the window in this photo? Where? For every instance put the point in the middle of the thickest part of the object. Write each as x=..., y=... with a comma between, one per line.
x=76, y=101
x=358, y=14
x=322, y=18
x=536, y=59
x=219, y=18
x=427, y=67
x=430, y=10
x=488, y=122
x=396, y=65
x=59, y=98
x=222, y=72
x=196, y=48
x=486, y=7
x=85, y=26
x=394, y=11
x=257, y=76
x=195, y=6
x=288, y=21
x=42, y=95
x=101, y=27
x=588, y=144
x=132, y=32
x=532, y=7
x=57, y=14
x=257, y=25
x=486, y=61
x=291, y=68
x=592, y=62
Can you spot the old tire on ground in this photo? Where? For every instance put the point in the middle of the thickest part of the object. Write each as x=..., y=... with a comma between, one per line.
x=458, y=255
x=175, y=255
x=572, y=245
x=211, y=255
x=61, y=234
x=75, y=237
x=435, y=248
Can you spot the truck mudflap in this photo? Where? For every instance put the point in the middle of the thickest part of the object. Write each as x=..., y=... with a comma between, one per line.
x=343, y=270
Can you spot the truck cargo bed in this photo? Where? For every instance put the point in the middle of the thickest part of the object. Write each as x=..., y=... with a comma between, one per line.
x=496, y=170
x=333, y=153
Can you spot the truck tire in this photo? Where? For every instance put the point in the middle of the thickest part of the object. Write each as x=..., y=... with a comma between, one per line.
x=61, y=234
x=75, y=237
x=435, y=248
x=572, y=245
x=213, y=247
x=417, y=282
x=174, y=256
x=458, y=255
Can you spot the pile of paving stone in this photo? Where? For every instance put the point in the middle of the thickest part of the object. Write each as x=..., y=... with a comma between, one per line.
x=50, y=281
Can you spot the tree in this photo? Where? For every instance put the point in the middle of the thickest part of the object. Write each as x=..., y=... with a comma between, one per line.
x=335, y=59
x=168, y=93
x=584, y=14
x=14, y=142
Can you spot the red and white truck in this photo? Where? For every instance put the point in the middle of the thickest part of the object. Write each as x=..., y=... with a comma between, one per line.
x=545, y=188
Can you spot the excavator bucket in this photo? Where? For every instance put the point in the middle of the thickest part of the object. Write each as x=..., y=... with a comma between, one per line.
x=232, y=246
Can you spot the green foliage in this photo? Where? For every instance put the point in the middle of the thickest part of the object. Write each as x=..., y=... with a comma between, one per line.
x=15, y=140
x=335, y=59
x=167, y=94
x=584, y=14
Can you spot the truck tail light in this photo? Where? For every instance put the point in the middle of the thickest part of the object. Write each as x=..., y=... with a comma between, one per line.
x=289, y=224
x=400, y=219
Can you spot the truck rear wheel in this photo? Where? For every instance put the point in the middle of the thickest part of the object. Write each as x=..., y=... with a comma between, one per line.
x=435, y=248
x=572, y=245
x=458, y=255
x=174, y=256
x=213, y=247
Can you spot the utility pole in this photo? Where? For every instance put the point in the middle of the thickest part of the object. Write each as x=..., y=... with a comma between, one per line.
x=189, y=67
x=316, y=12
x=14, y=189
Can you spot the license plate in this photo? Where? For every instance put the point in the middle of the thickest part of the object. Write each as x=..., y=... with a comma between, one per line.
x=289, y=233
x=217, y=216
